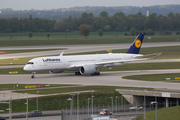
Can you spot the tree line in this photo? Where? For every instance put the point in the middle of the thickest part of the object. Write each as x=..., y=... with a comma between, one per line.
x=118, y=22
x=26, y=24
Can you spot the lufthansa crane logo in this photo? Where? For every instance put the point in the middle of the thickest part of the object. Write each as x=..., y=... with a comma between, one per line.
x=138, y=43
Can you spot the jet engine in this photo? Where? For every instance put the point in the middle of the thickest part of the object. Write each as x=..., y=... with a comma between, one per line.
x=55, y=72
x=87, y=70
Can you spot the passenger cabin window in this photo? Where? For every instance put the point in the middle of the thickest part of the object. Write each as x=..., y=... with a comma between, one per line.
x=30, y=63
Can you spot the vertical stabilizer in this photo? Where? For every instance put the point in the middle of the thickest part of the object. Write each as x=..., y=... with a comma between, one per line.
x=136, y=46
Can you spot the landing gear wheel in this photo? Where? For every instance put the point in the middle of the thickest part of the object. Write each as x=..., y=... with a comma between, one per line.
x=32, y=76
x=77, y=73
x=96, y=73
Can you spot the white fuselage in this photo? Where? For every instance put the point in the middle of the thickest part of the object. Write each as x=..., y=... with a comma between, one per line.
x=61, y=63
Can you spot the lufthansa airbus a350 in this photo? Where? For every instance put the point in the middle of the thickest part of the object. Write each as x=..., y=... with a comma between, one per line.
x=86, y=64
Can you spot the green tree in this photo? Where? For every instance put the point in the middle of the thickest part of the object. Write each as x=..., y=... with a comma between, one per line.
x=165, y=32
x=90, y=15
x=30, y=34
x=133, y=31
x=149, y=32
x=100, y=32
x=84, y=30
x=151, y=22
x=84, y=15
x=48, y=35
x=104, y=14
x=107, y=28
x=178, y=33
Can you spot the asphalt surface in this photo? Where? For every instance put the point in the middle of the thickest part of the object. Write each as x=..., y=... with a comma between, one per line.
x=106, y=78
x=75, y=49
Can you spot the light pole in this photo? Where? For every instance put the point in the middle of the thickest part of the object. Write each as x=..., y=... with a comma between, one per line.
x=27, y=107
x=112, y=103
x=116, y=103
x=37, y=100
x=72, y=100
x=144, y=104
x=155, y=102
x=121, y=100
x=92, y=100
x=88, y=106
x=70, y=107
x=156, y=107
x=77, y=106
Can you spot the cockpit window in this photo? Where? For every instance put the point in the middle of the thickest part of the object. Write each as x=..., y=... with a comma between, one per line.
x=30, y=63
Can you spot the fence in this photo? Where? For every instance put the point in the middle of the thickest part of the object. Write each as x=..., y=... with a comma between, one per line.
x=85, y=113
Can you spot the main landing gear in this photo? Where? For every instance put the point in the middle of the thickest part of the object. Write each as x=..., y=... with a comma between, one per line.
x=32, y=76
x=96, y=73
x=77, y=73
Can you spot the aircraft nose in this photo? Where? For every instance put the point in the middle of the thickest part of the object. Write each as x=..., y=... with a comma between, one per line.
x=26, y=68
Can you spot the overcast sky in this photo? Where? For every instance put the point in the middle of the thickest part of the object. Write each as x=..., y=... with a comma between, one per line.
x=53, y=4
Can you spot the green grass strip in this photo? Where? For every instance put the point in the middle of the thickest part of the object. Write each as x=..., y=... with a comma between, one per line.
x=170, y=113
x=154, y=77
x=100, y=89
x=73, y=38
x=22, y=86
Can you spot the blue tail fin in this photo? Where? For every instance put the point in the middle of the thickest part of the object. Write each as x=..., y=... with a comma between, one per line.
x=136, y=46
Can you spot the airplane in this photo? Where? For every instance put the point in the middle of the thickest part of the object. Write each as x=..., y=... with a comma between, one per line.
x=86, y=64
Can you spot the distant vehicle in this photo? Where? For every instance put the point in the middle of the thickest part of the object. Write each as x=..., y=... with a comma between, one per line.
x=2, y=118
x=105, y=112
x=35, y=113
x=138, y=107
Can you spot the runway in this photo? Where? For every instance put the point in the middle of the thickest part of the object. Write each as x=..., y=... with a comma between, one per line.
x=106, y=78
x=75, y=49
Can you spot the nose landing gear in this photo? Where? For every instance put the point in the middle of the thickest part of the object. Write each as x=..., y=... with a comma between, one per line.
x=32, y=76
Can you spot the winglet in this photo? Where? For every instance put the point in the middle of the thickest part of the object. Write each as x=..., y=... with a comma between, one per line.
x=62, y=53
x=136, y=46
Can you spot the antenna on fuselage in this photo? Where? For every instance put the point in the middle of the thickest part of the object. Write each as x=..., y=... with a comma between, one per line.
x=62, y=53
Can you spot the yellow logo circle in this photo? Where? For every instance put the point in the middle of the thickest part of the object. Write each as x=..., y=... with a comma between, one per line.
x=138, y=43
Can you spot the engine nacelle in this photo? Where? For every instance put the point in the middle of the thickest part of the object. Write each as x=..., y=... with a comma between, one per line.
x=55, y=72
x=87, y=70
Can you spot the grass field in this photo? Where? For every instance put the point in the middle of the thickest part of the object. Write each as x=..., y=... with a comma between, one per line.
x=73, y=38
x=154, y=77
x=99, y=89
x=22, y=86
x=171, y=113
x=126, y=67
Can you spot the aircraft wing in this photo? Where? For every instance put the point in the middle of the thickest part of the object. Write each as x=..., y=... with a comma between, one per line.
x=115, y=61
x=107, y=62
